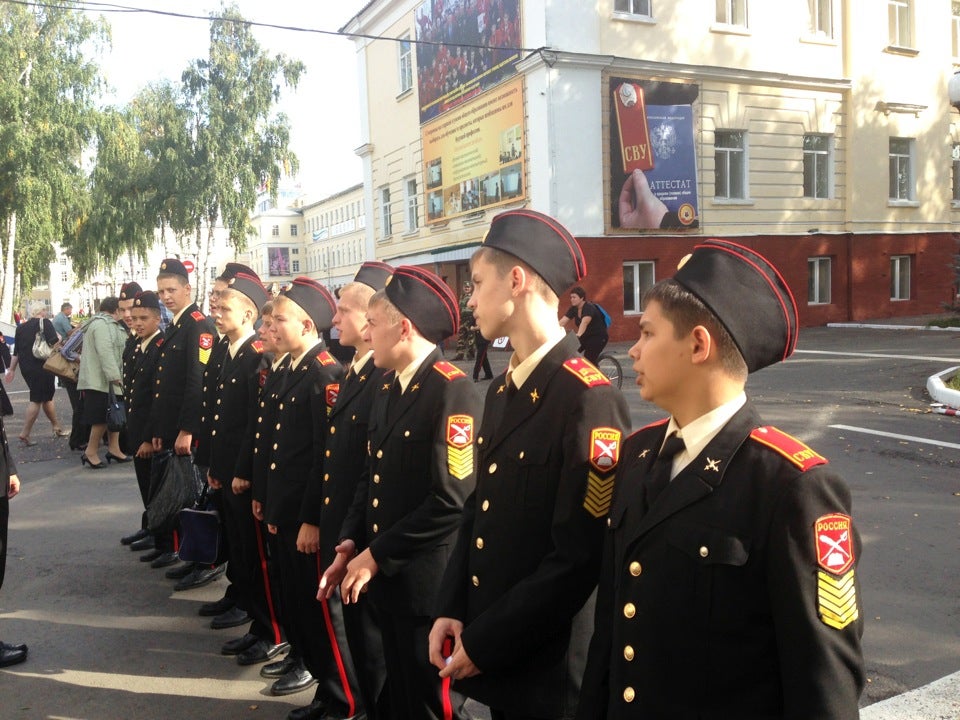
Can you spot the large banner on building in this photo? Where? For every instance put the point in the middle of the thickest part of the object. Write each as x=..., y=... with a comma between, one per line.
x=464, y=48
x=652, y=155
x=473, y=156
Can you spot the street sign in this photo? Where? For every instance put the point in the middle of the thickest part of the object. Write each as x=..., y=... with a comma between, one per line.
x=188, y=265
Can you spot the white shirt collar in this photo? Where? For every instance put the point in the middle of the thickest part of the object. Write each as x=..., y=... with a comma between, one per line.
x=698, y=433
x=232, y=349
x=410, y=370
x=519, y=372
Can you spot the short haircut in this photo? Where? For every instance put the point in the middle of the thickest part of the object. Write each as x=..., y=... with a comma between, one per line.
x=267, y=308
x=685, y=311
x=65, y=306
x=380, y=299
x=245, y=301
x=110, y=304
x=180, y=278
x=359, y=290
x=151, y=310
x=504, y=261
x=578, y=291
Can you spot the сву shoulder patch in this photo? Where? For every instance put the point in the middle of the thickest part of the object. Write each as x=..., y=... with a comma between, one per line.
x=325, y=358
x=792, y=449
x=586, y=372
x=448, y=370
x=197, y=315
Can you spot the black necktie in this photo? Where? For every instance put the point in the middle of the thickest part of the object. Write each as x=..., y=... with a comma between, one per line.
x=393, y=403
x=659, y=477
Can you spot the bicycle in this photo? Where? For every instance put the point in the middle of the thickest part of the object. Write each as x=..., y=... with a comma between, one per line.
x=611, y=367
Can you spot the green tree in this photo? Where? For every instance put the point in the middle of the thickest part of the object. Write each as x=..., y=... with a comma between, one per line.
x=49, y=85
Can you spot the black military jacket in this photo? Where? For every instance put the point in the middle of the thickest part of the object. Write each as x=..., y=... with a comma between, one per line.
x=727, y=597
x=526, y=563
x=421, y=470
x=139, y=381
x=271, y=382
x=178, y=396
x=211, y=374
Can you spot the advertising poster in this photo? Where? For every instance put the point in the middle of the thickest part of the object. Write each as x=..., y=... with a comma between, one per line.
x=652, y=158
x=476, y=47
x=473, y=156
x=279, y=261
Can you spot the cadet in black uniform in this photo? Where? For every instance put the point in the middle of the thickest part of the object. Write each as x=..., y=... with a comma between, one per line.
x=346, y=465
x=404, y=519
x=730, y=590
x=128, y=292
x=294, y=493
x=518, y=595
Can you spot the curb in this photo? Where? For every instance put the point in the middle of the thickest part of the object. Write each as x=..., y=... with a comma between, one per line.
x=876, y=326
x=940, y=700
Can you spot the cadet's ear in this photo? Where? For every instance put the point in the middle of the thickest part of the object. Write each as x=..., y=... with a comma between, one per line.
x=702, y=344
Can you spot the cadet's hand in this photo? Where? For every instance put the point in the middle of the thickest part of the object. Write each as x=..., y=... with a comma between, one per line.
x=445, y=631
x=13, y=487
x=184, y=443
x=145, y=450
x=308, y=539
x=460, y=665
x=360, y=572
x=157, y=444
x=334, y=574
x=272, y=529
x=240, y=486
x=257, y=507
x=213, y=482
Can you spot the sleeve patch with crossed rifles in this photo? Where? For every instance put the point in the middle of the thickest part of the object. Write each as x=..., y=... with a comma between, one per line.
x=604, y=456
x=836, y=588
x=460, y=446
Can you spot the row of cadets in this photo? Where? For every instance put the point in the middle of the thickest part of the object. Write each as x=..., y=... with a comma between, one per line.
x=401, y=527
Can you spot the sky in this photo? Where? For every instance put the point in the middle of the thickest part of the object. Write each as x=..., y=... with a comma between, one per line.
x=323, y=110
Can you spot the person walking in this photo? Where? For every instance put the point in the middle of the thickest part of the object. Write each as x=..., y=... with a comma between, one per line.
x=10, y=654
x=100, y=371
x=39, y=381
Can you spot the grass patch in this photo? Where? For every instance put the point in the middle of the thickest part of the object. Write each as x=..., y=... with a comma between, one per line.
x=945, y=322
x=954, y=382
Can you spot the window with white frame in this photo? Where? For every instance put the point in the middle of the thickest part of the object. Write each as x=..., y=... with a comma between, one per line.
x=821, y=18
x=955, y=28
x=634, y=7
x=410, y=203
x=732, y=12
x=406, y=63
x=818, y=280
x=730, y=164
x=64, y=276
x=901, y=169
x=900, y=23
x=295, y=266
x=386, y=212
x=900, y=277
x=637, y=279
x=817, y=161
x=955, y=165
x=293, y=231
x=275, y=231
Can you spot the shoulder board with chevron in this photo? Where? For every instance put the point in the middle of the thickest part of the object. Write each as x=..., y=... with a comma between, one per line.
x=257, y=345
x=325, y=358
x=197, y=315
x=586, y=372
x=448, y=370
x=792, y=449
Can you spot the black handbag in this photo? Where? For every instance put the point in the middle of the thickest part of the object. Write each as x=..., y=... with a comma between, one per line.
x=174, y=485
x=116, y=412
x=200, y=532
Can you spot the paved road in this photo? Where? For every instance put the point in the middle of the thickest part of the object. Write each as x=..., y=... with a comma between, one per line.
x=109, y=639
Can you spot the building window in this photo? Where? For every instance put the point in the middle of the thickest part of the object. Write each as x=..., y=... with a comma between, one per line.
x=386, y=221
x=732, y=12
x=295, y=266
x=637, y=279
x=410, y=203
x=275, y=231
x=821, y=18
x=294, y=251
x=293, y=231
x=818, y=281
x=900, y=277
x=956, y=172
x=730, y=159
x=900, y=23
x=64, y=277
x=634, y=7
x=901, y=169
x=817, y=157
x=406, y=64
x=955, y=28
x=213, y=273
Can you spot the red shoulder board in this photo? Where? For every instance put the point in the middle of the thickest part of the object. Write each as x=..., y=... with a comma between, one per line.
x=159, y=341
x=448, y=370
x=257, y=345
x=197, y=315
x=792, y=449
x=325, y=358
x=585, y=370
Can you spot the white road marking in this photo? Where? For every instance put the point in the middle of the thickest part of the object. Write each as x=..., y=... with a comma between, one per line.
x=895, y=436
x=877, y=355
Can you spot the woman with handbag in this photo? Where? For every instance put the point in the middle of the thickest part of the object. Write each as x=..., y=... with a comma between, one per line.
x=101, y=375
x=37, y=332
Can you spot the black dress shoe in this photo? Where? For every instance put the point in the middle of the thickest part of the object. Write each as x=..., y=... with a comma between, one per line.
x=200, y=576
x=180, y=572
x=216, y=608
x=12, y=654
x=299, y=678
x=138, y=535
x=151, y=556
x=314, y=711
x=145, y=543
x=165, y=560
x=238, y=645
x=260, y=652
x=231, y=618
x=281, y=667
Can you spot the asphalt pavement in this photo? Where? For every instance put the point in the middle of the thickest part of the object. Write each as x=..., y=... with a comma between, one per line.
x=110, y=639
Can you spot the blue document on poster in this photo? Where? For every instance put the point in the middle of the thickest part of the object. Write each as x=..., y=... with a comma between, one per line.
x=673, y=178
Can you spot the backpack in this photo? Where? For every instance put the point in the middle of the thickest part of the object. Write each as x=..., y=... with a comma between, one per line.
x=606, y=315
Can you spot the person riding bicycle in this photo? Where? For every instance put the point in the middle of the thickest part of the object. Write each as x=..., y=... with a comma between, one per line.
x=587, y=321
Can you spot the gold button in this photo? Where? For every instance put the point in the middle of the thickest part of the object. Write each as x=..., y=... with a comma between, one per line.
x=479, y=543
x=704, y=551
x=221, y=386
x=333, y=430
x=326, y=476
x=628, y=653
x=379, y=454
x=376, y=528
x=375, y=502
x=273, y=466
x=485, y=506
x=326, y=453
x=204, y=388
x=326, y=501
x=216, y=417
x=376, y=479
x=353, y=417
x=492, y=469
x=293, y=399
x=281, y=406
x=275, y=446
x=160, y=367
x=260, y=419
x=256, y=450
x=635, y=569
x=262, y=404
x=406, y=433
x=629, y=610
x=479, y=441
x=258, y=436
x=278, y=426
x=608, y=522
x=521, y=455
x=218, y=401
x=214, y=432
x=628, y=694
x=475, y=580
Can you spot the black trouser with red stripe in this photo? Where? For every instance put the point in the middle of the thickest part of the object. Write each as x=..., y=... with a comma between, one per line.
x=247, y=556
x=316, y=628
